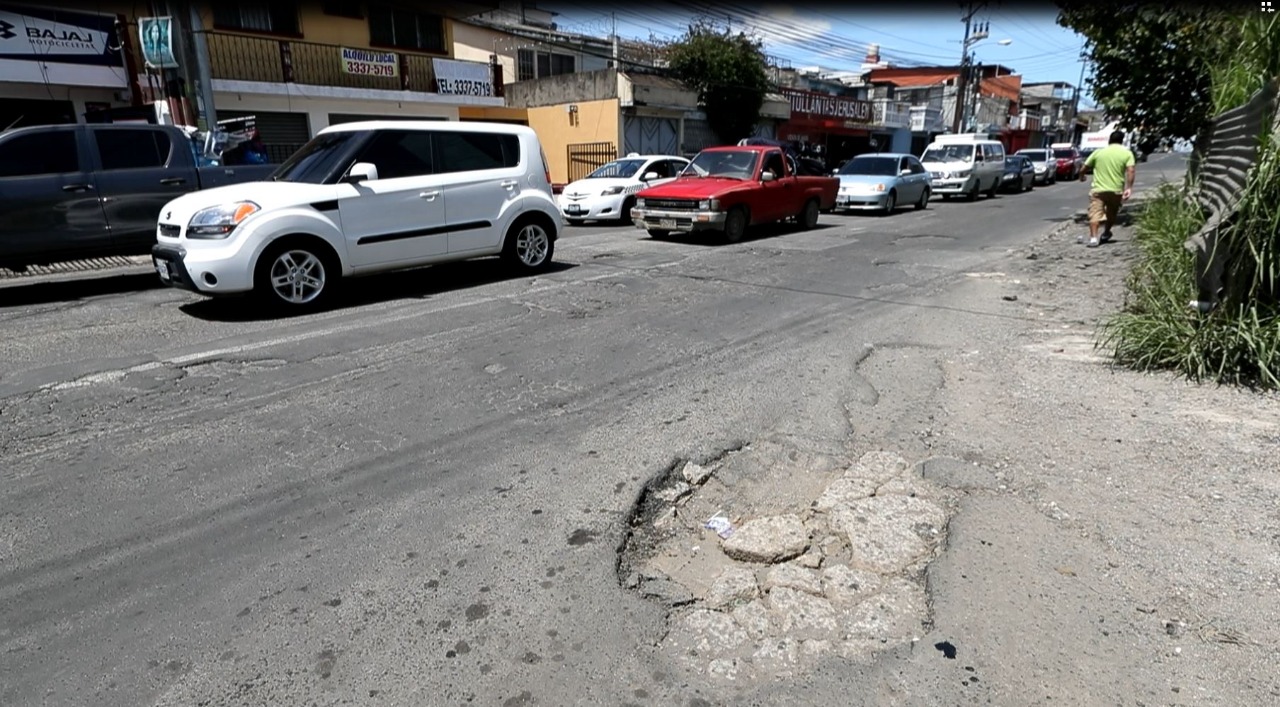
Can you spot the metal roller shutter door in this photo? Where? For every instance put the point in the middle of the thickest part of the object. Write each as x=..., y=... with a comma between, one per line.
x=282, y=133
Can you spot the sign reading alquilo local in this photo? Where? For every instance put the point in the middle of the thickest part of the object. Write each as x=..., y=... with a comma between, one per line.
x=462, y=78
x=821, y=105
x=366, y=62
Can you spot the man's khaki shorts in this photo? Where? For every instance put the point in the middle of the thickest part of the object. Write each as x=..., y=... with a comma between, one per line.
x=1104, y=206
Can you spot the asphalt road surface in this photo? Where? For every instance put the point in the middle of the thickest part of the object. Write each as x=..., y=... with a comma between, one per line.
x=416, y=497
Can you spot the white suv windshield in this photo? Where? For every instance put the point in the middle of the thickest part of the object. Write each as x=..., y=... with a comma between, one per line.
x=948, y=153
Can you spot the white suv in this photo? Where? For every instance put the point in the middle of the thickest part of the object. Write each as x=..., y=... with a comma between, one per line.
x=610, y=191
x=362, y=198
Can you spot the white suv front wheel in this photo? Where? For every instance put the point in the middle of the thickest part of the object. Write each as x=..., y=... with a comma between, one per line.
x=295, y=274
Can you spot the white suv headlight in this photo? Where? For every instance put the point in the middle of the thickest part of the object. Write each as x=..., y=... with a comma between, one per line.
x=219, y=221
x=612, y=191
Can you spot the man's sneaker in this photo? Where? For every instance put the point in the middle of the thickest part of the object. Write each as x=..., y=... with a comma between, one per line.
x=1094, y=242
x=1106, y=236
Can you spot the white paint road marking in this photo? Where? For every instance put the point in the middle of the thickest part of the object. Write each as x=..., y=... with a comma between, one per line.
x=185, y=359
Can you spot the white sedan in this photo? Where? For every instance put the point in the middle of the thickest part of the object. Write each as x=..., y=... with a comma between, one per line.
x=608, y=193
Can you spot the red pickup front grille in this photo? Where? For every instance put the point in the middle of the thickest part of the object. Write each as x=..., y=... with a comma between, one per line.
x=672, y=204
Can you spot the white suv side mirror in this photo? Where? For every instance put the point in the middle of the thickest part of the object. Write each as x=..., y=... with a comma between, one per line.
x=361, y=172
x=649, y=176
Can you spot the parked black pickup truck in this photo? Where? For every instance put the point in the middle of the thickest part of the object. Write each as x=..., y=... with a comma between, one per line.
x=80, y=191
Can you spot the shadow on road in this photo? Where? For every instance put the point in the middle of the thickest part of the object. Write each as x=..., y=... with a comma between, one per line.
x=419, y=283
x=754, y=233
x=47, y=292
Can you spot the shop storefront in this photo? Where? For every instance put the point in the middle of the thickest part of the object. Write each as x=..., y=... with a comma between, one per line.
x=58, y=65
x=831, y=128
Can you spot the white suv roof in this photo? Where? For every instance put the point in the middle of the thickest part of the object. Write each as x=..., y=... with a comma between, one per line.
x=451, y=125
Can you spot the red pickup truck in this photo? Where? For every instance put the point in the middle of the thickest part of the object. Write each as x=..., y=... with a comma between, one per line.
x=728, y=189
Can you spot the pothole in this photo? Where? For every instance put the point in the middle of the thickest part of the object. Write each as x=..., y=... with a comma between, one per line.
x=766, y=574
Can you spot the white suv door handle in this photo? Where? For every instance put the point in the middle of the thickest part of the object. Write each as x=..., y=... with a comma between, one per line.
x=429, y=195
x=509, y=183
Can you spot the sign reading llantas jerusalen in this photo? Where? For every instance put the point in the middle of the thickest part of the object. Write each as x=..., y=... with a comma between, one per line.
x=822, y=105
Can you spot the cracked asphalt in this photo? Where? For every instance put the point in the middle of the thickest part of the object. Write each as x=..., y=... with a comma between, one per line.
x=418, y=497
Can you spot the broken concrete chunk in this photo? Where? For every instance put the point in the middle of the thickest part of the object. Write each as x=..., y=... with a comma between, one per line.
x=811, y=559
x=675, y=492
x=803, y=616
x=791, y=576
x=734, y=585
x=753, y=617
x=695, y=474
x=888, y=533
x=845, y=586
x=844, y=492
x=896, y=614
x=877, y=466
x=768, y=540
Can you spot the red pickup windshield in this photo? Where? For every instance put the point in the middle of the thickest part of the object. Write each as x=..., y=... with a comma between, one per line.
x=733, y=164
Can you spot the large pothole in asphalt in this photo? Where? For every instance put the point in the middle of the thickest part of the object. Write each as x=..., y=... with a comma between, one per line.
x=772, y=558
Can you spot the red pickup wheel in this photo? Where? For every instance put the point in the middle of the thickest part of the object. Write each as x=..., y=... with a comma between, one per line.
x=808, y=217
x=735, y=224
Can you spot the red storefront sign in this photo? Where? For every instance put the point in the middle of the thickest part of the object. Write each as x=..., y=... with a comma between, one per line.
x=822, y=106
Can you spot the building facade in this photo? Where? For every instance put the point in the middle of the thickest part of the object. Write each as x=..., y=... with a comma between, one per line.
x=63, y=65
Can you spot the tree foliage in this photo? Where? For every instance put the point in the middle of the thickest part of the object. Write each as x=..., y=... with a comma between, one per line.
x=1152, y=63
x=728, y=72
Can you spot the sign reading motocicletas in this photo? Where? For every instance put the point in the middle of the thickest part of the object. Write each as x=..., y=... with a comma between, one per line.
x=362, y=62
x=59, y=36
x=462, y=78
x=823, y=105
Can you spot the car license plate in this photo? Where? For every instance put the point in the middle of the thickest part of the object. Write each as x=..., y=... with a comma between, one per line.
x=667, y=223
x=163, y=268
x=574, y=208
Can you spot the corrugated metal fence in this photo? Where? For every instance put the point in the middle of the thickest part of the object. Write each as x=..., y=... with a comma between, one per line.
x=1229, y=153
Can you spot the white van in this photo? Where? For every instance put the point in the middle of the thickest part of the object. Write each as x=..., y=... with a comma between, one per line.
x=364, y=198
x=964, y=165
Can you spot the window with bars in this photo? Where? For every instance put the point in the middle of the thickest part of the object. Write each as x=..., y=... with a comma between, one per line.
x=255, y=16
x=405, y=29
x=343, y=8
x=532, y=64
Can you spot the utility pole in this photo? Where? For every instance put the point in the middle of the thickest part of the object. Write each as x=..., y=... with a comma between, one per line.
x=613, y=35
x=962, y=83
x=1075, y=100
x=203, y=73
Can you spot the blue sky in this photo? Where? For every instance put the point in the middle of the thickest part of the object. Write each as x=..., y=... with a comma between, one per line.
x=834, y=38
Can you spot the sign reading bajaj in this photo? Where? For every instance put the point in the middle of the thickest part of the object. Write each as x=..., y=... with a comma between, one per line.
x=58, y=36
x=364, y=62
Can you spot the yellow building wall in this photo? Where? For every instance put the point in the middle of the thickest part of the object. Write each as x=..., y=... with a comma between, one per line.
x=498, y=113
x=557, y=129
x=471, y=43
x=316, y=26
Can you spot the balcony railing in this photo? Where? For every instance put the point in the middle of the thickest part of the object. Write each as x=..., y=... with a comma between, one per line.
x=927, y=119
x=243, y=58
x=892, y=114
x=1027, y=120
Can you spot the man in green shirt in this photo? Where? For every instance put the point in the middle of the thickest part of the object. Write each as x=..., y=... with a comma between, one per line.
x=1113, y=170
